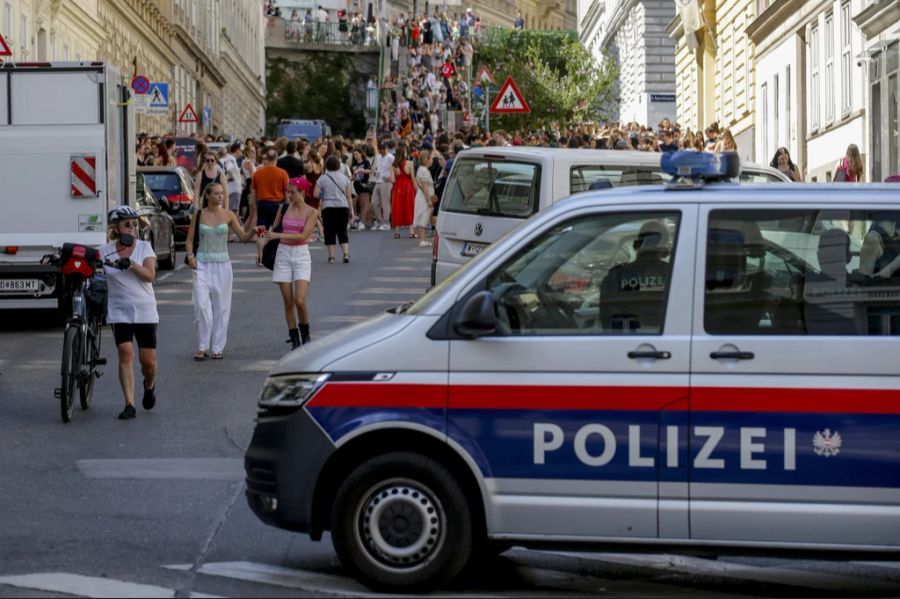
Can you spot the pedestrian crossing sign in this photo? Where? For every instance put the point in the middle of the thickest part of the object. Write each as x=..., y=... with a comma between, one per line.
x=159, y=95
x=510, y=100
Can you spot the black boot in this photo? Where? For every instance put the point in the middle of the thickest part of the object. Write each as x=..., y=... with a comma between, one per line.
x=295, y=338
x=304, y=332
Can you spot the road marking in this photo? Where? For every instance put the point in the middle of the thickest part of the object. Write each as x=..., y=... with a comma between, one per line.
x=374, y=303
x=350, y=319
x=258, y=366
x=392, y=291
x=423, y=280
x=694, y=566
x=292, y=578
x=228, y=469
x=409, y=268
x=88, y=586
x=162, y=278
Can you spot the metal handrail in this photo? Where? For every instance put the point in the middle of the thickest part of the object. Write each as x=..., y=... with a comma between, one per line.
x=328, y=33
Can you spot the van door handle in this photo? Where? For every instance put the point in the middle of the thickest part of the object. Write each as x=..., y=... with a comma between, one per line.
x=731, y=355
x=649, y=355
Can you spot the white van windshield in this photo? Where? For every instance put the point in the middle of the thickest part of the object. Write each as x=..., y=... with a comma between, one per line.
x=493, y=188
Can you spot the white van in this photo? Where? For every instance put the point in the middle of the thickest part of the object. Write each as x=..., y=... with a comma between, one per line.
x=491, y=190
x=685, y=367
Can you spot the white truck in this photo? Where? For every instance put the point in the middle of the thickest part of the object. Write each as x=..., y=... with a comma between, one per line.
x=66, y=158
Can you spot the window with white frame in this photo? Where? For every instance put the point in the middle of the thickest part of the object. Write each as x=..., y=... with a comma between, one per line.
x=846, y=59
x=23, y=33
x=829, y=69
x=787, y=107
x=7, y=21
x=776, y=111
x=764, y=114
x=814, y=86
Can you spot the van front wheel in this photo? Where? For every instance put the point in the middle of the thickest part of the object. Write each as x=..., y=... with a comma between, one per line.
x=402, y=523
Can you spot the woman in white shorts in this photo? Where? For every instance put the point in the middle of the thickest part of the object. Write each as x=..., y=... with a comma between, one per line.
x=293, y=266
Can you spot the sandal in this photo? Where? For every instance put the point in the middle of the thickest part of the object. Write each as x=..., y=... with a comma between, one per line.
x=396, y=235
x=347, y=259
x=412, y=236
x=218, y=356
x=331, y=260
x=200, y=356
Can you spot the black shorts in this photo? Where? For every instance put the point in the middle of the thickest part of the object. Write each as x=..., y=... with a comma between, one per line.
x=144, y=332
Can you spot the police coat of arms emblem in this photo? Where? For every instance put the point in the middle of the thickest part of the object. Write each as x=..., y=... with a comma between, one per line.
x=826, y=443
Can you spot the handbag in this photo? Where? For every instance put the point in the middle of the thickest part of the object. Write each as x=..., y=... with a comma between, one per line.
x=270, y=250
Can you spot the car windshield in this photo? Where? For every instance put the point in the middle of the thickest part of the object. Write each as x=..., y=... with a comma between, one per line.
x=494, y=188
x=163, y=184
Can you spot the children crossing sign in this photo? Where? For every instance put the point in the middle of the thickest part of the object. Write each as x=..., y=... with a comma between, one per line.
x=509, y=100
x=188, y=115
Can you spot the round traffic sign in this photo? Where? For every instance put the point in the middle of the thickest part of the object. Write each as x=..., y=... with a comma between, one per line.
x=140, y=84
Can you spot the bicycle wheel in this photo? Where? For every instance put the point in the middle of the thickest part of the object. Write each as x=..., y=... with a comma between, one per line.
x=70, y=366
x=86, y=390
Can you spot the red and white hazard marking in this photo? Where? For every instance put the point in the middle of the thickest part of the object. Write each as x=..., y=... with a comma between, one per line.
x=84, y=176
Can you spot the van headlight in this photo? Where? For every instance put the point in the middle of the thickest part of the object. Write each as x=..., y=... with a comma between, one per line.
x=290, y=390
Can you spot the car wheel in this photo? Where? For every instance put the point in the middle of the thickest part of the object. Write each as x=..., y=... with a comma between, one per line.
x=402, y=523
x=169, y=262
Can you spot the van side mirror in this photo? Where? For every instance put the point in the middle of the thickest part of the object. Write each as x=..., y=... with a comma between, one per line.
x=477, y=317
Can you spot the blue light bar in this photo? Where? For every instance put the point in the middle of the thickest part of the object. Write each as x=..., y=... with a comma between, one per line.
x=701, y=165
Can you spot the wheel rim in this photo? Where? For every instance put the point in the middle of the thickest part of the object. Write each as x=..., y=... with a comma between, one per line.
x=401, y=524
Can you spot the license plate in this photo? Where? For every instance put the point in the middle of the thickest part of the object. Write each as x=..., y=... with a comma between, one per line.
x=473, y=249
x=19, y=285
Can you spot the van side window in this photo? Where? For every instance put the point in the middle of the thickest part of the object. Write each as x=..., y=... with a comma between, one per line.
x=586, y=178
x=493, y=188
x=802, y=272
x=606, y=274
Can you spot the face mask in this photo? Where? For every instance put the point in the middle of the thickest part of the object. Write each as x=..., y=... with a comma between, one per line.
x=127, y=239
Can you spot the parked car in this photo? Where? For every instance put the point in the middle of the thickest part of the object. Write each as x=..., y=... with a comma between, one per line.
x=174, y=184
x=156, y=225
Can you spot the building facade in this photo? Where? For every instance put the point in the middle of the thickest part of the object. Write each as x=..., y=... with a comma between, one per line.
x=715, y=76
x=210, y=52
x=633, y=32
x=809, y=83
x=879, y=23
x=538, y=14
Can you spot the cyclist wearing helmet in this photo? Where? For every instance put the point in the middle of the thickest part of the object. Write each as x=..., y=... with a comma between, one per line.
x=131, y=307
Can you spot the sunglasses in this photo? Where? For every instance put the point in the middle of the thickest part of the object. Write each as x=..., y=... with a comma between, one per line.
x=130, y=224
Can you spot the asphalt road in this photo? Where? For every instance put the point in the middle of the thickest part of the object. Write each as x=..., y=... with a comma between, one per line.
x=155, y=506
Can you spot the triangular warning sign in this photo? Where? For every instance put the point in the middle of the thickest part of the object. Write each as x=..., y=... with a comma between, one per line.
x=189, y=115
x=4, y=47
x=509, y=99
x=484, y=75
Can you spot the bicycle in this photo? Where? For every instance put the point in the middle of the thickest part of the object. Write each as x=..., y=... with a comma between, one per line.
x=83, y=335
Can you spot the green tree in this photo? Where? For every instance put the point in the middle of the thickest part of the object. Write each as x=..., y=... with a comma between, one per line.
x=314, y=89
x=560, y=79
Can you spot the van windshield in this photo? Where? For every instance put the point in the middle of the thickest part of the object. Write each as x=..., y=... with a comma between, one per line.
x=493, y=188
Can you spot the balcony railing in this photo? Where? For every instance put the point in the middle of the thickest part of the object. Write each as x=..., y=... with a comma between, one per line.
x=332, y=33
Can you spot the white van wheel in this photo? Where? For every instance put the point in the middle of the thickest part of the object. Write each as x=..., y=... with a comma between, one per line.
x=402, y=523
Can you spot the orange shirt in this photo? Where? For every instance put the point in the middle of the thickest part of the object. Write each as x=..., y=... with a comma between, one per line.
x=270, y=184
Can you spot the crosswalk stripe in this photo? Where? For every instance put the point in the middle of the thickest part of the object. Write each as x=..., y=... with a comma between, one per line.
x=292, y=578
x=423, y=280
x=391, y=290
x=88, y=586
x=409, y=268
x=350, y=319
x=695, y=566
x=390, y=302
x=227, y=469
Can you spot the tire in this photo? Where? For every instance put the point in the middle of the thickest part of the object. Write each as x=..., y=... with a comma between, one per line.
x=169, y=262
x=86, y=391
x=71, y=362
x=424, y=533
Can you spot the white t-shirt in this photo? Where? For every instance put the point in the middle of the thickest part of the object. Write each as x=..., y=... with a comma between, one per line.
x=131, y=300
x=233, y=174
x=382, y=167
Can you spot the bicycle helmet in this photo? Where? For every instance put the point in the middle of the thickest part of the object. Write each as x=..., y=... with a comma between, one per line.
x=120, y=213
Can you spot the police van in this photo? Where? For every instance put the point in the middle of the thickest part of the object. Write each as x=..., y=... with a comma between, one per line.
x=492, y=190
x=697, y=366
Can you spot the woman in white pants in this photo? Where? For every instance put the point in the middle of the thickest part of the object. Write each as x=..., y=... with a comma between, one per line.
x=293, y=265
x=212, y=270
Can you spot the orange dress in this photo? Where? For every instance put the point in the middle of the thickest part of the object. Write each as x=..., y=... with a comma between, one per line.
x=403, y=200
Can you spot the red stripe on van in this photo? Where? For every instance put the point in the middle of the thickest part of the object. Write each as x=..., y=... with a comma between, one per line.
x=520, y=397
